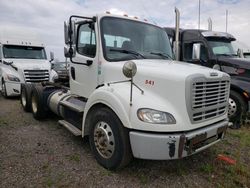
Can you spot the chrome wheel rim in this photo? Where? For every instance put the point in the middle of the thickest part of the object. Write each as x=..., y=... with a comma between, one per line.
x=23, y=99
x=34, y=104
x=104, y=139
x=232, y=108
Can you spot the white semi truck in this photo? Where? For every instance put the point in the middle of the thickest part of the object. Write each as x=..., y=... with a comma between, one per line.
x=22, y=60
x=129, y=96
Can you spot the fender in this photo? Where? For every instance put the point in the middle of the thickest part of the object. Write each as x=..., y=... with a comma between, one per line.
x=4, y=71
x=241, y=84
x=107, y=97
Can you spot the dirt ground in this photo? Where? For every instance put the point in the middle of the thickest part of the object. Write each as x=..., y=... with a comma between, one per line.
x=44, y=154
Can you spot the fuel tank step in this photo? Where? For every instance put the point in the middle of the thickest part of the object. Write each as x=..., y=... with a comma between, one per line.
x=72, y=106
x=70, y=127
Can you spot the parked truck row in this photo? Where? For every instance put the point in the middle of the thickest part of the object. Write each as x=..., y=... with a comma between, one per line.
x=214, y=49
x=23, y=59
x=129, y=96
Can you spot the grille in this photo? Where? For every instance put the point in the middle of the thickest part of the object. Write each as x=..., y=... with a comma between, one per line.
x=36, y=75
x=209, y=99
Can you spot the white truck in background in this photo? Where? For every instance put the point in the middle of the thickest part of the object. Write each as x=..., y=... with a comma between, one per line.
x=22, y=60
x=129, y=96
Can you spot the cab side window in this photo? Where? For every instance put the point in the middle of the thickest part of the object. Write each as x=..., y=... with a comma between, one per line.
x=187, y=51
x=204, y=54
x=86, y=42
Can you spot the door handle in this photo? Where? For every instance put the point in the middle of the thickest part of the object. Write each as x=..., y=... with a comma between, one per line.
x=89, y=62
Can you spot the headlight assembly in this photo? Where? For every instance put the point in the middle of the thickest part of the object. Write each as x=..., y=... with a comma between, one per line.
x=154, y=116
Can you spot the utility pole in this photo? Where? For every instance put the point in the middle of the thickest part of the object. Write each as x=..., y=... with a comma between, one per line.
x=199, y=18
x=226, y=19
x=210, y=24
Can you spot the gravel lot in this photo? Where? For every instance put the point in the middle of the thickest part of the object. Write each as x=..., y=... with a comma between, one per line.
x=44, y=154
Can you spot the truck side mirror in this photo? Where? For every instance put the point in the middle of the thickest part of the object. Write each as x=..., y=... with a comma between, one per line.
x=52, y=57
x=69, y=33
x=240, y=53
x=66, y=32
x=196, y=55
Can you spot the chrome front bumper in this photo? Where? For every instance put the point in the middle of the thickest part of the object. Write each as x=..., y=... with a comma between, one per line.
x=156, y=146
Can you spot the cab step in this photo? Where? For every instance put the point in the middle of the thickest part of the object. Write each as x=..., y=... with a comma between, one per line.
x=72, y=106
x=70, y=127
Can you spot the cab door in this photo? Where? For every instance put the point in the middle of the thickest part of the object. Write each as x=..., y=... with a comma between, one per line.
x=84, y=77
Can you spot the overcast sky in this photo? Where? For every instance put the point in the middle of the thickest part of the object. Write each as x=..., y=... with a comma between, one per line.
x=47, y=16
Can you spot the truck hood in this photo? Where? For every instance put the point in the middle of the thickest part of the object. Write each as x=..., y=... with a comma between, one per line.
x=235, y=62
x=167, y=87
x=162, y=69
x=30, y=63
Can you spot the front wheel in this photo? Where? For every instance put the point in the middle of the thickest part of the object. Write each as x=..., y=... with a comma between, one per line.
x=109, y=139
x=4, y=90
x=237, y=109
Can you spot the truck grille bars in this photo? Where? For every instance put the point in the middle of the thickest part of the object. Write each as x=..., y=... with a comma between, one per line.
x=209, y=99
x=36, y=75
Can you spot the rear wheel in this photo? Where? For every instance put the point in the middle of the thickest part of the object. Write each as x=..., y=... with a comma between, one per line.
x=4, y=90
x=109, y=139
x=38, y=107
x=25, y=98
x=237, y=109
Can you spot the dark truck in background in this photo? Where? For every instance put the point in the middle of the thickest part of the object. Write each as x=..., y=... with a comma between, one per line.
x=214, y=49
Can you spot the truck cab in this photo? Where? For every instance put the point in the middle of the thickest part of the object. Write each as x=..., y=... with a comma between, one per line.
x=22, y=60
x=130, y=97
x=214, y=50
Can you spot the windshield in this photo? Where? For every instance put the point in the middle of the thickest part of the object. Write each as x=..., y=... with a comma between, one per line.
x=126, y=39
x=23, y=52
x=60, y=65
x=221, y=47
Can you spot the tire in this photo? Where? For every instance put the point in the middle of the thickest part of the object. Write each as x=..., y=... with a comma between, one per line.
x=105, y=125
x=38, y=106
x=237, y=109
x=25, y=98
x=4, y=91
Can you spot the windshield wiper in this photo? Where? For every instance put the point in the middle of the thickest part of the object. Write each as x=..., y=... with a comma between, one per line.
x=162, y=55
x=128, y=52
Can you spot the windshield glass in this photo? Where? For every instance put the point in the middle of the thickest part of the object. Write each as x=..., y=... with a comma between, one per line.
x=221, y=47
x=60, y=65
x=23, y=52
x=126, y=39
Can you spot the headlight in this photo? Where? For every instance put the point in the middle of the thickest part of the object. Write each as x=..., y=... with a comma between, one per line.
x=13, y=78
x=154, y=116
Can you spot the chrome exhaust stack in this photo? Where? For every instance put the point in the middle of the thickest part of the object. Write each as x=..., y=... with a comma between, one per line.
x=210, y=24
x=177, y=35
